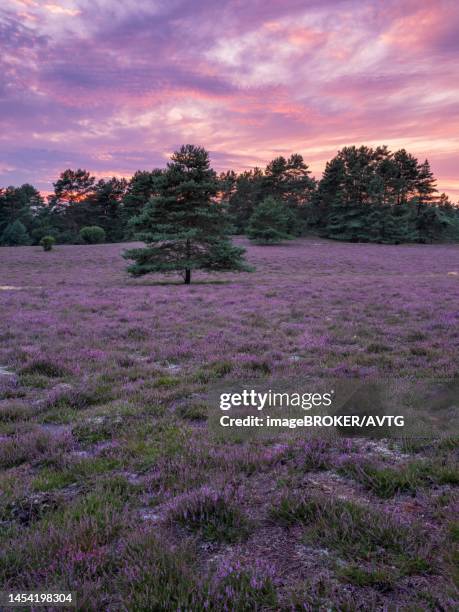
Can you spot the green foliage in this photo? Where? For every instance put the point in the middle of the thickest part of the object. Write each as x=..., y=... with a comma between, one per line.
x=285, y=180
x=387, y=481
x=15, y=234
x=365, y=195
x=380, y=579
x=44, y=367
x=270, y=222
x=19, y=204
x=92, y=234
x=183, y=226
x=213, y=515
x=141, y=188
x=47, y=243
x=373, y=195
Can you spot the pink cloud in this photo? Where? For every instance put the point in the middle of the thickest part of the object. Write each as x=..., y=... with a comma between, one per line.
x=116, y=86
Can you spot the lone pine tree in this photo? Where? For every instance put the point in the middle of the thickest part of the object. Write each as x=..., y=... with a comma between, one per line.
x=183, y=225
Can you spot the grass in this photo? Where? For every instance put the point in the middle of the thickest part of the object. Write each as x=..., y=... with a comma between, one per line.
x=353, y=530
x=385, y=481
x=380, y=579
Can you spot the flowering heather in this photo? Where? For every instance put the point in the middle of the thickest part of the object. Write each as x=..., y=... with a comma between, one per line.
x=114, y=485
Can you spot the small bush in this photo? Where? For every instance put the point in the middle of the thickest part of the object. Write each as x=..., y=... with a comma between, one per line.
x=193, y=412
x=66, y=396
x=211, y=513
x=377, y=578
x=47, y=243
x=166, y=381
x=378, y=348
x=92, y=234
x=44, y=367
x=32, y=446
x=155, y=577
x=236, y=587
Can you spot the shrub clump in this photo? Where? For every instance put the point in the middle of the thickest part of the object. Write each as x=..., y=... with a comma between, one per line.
x=92, y=234
x=66, y=396
x=213, y=514
x=44, y=367
x=47, y=242
x=235, y=587
x=32, y=446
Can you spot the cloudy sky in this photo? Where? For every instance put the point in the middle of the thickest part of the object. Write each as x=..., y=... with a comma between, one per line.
x=117, y=85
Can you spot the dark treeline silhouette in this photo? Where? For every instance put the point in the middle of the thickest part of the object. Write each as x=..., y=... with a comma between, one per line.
x=365, y=195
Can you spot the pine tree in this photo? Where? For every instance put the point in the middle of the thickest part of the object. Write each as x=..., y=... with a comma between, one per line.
x=270, y=222
x=289, y=182
x=142, y=186
x=19, y=203
x=107, y=208
x=425, y=184
x=244, y=197
x=328, y=195
x=183, y=226
x=15, y=234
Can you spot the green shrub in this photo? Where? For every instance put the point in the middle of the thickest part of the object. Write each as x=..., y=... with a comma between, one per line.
x=47, y=243
x=213, y=514
x=92, y=234
x=44, y=367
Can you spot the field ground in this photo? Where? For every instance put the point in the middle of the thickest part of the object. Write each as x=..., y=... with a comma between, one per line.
x=113, y=485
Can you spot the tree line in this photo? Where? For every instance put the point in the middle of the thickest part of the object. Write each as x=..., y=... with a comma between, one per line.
x=365, y=195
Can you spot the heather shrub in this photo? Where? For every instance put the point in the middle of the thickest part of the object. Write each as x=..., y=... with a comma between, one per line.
x=214, y=514
x=66, y=396
x=47, y=243
x=29, y=509
x=32, y=446
x=16, y=412
x=156, y=577
x=316, y=454
x=217, y=369
x=237, y=587
x=44, y=367
x=92, y=234
x=67, y=546
x=91, y=432
x=196, y=411
x=356, y=531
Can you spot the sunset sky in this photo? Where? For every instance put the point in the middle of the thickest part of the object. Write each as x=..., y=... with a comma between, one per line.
x=117, y=85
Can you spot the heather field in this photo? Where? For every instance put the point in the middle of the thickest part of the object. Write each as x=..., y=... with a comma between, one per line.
x=113, y=484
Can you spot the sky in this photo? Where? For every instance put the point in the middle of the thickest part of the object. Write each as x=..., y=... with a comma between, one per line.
x=114, y=86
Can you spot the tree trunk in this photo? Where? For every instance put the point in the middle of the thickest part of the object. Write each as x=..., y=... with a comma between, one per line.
x=187, y=276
